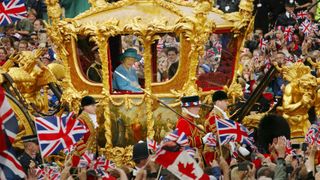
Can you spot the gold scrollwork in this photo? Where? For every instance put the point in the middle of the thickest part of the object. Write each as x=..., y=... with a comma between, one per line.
x=196, y=30
x=242, y=18
x=169, y=6
x=107, y=6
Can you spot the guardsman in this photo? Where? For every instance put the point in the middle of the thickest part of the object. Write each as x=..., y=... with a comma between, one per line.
x=220, y=102
x=30, y=158
x=89, y=119
x=190, y=109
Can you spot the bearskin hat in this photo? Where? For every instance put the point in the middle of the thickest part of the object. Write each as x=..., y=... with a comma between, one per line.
x=271, y=126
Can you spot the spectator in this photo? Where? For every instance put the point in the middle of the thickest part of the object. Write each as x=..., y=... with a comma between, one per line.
x=25, y=26
x=3, y=55
x=173, y=60
x=22, y=46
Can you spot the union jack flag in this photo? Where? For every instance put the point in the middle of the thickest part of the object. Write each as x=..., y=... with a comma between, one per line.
x=11, y=11
x=181, y=139
x=233, y=148
x=191, y=151
x=40, y=173
x=263, y=44
x=302, y=15
x=54, y=173
x=152, y=144
x=86, y=159
x=288, y=31
x=312, y=134
x=228, y=129
x=210, y=140
x=56, y=133
x=99, y=163
x=306, y=27
x=8, y=121
x=251, y=135
x=104, y=175
x=68, y=150
x=289, y=149
x=10, y=166
x=109, y=164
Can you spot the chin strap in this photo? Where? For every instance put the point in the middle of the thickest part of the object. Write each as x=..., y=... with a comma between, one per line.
x=185, y=110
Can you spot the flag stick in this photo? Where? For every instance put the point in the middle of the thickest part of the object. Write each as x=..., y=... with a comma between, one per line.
x=163, y=103
x=159, y=171
x=218, y=135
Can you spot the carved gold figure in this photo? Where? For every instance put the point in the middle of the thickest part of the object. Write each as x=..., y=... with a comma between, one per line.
x=298, y=97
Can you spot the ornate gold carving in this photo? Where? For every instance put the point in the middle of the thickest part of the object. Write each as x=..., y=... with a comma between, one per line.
x=54, y=10
x=242, y=18
x=196, y=30
x=193, y=4
x=169, y=6
x=104, y=7
x=30, y=77
x=121, y=156
x=234, y=91
x=253, y=120
x=97, y=3
x=298, y=97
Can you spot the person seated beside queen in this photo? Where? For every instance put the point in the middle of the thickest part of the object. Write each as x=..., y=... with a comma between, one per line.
x=125, y=76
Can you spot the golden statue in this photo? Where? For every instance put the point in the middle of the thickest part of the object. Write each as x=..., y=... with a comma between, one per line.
x=298, y=97
x=31, y=77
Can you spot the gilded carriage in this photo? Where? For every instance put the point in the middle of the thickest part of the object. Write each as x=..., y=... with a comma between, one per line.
x=126, y=117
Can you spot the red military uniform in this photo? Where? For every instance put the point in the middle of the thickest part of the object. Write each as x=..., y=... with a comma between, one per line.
x=191, y=132
x=210, y=123
x=210, y=126
x=190, y=103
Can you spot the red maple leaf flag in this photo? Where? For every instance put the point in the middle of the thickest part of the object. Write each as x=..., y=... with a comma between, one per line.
x=181, y=165
x=187, y=170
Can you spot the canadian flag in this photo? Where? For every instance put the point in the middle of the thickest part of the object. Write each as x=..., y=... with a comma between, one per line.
x=181, y=165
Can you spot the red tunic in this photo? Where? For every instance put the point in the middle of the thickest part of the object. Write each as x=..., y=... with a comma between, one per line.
x=191, y=132
x=210, y=126
x=210, y=123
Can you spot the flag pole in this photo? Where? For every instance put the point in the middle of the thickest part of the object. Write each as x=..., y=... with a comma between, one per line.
x=159, y=171
x=218, y=135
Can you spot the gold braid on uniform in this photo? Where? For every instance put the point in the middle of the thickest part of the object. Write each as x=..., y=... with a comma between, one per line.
x=194, y=133
x=214, y=113
x=91, y=143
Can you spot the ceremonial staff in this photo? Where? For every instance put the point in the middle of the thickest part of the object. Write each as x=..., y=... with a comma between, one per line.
x=161, y=102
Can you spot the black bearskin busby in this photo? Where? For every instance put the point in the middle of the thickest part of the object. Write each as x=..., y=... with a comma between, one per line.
x=271, y=126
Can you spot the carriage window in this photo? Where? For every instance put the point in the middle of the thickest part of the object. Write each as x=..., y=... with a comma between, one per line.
x=127, y=64
x=167, y=60
x=216, y=66
x=89, y=59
